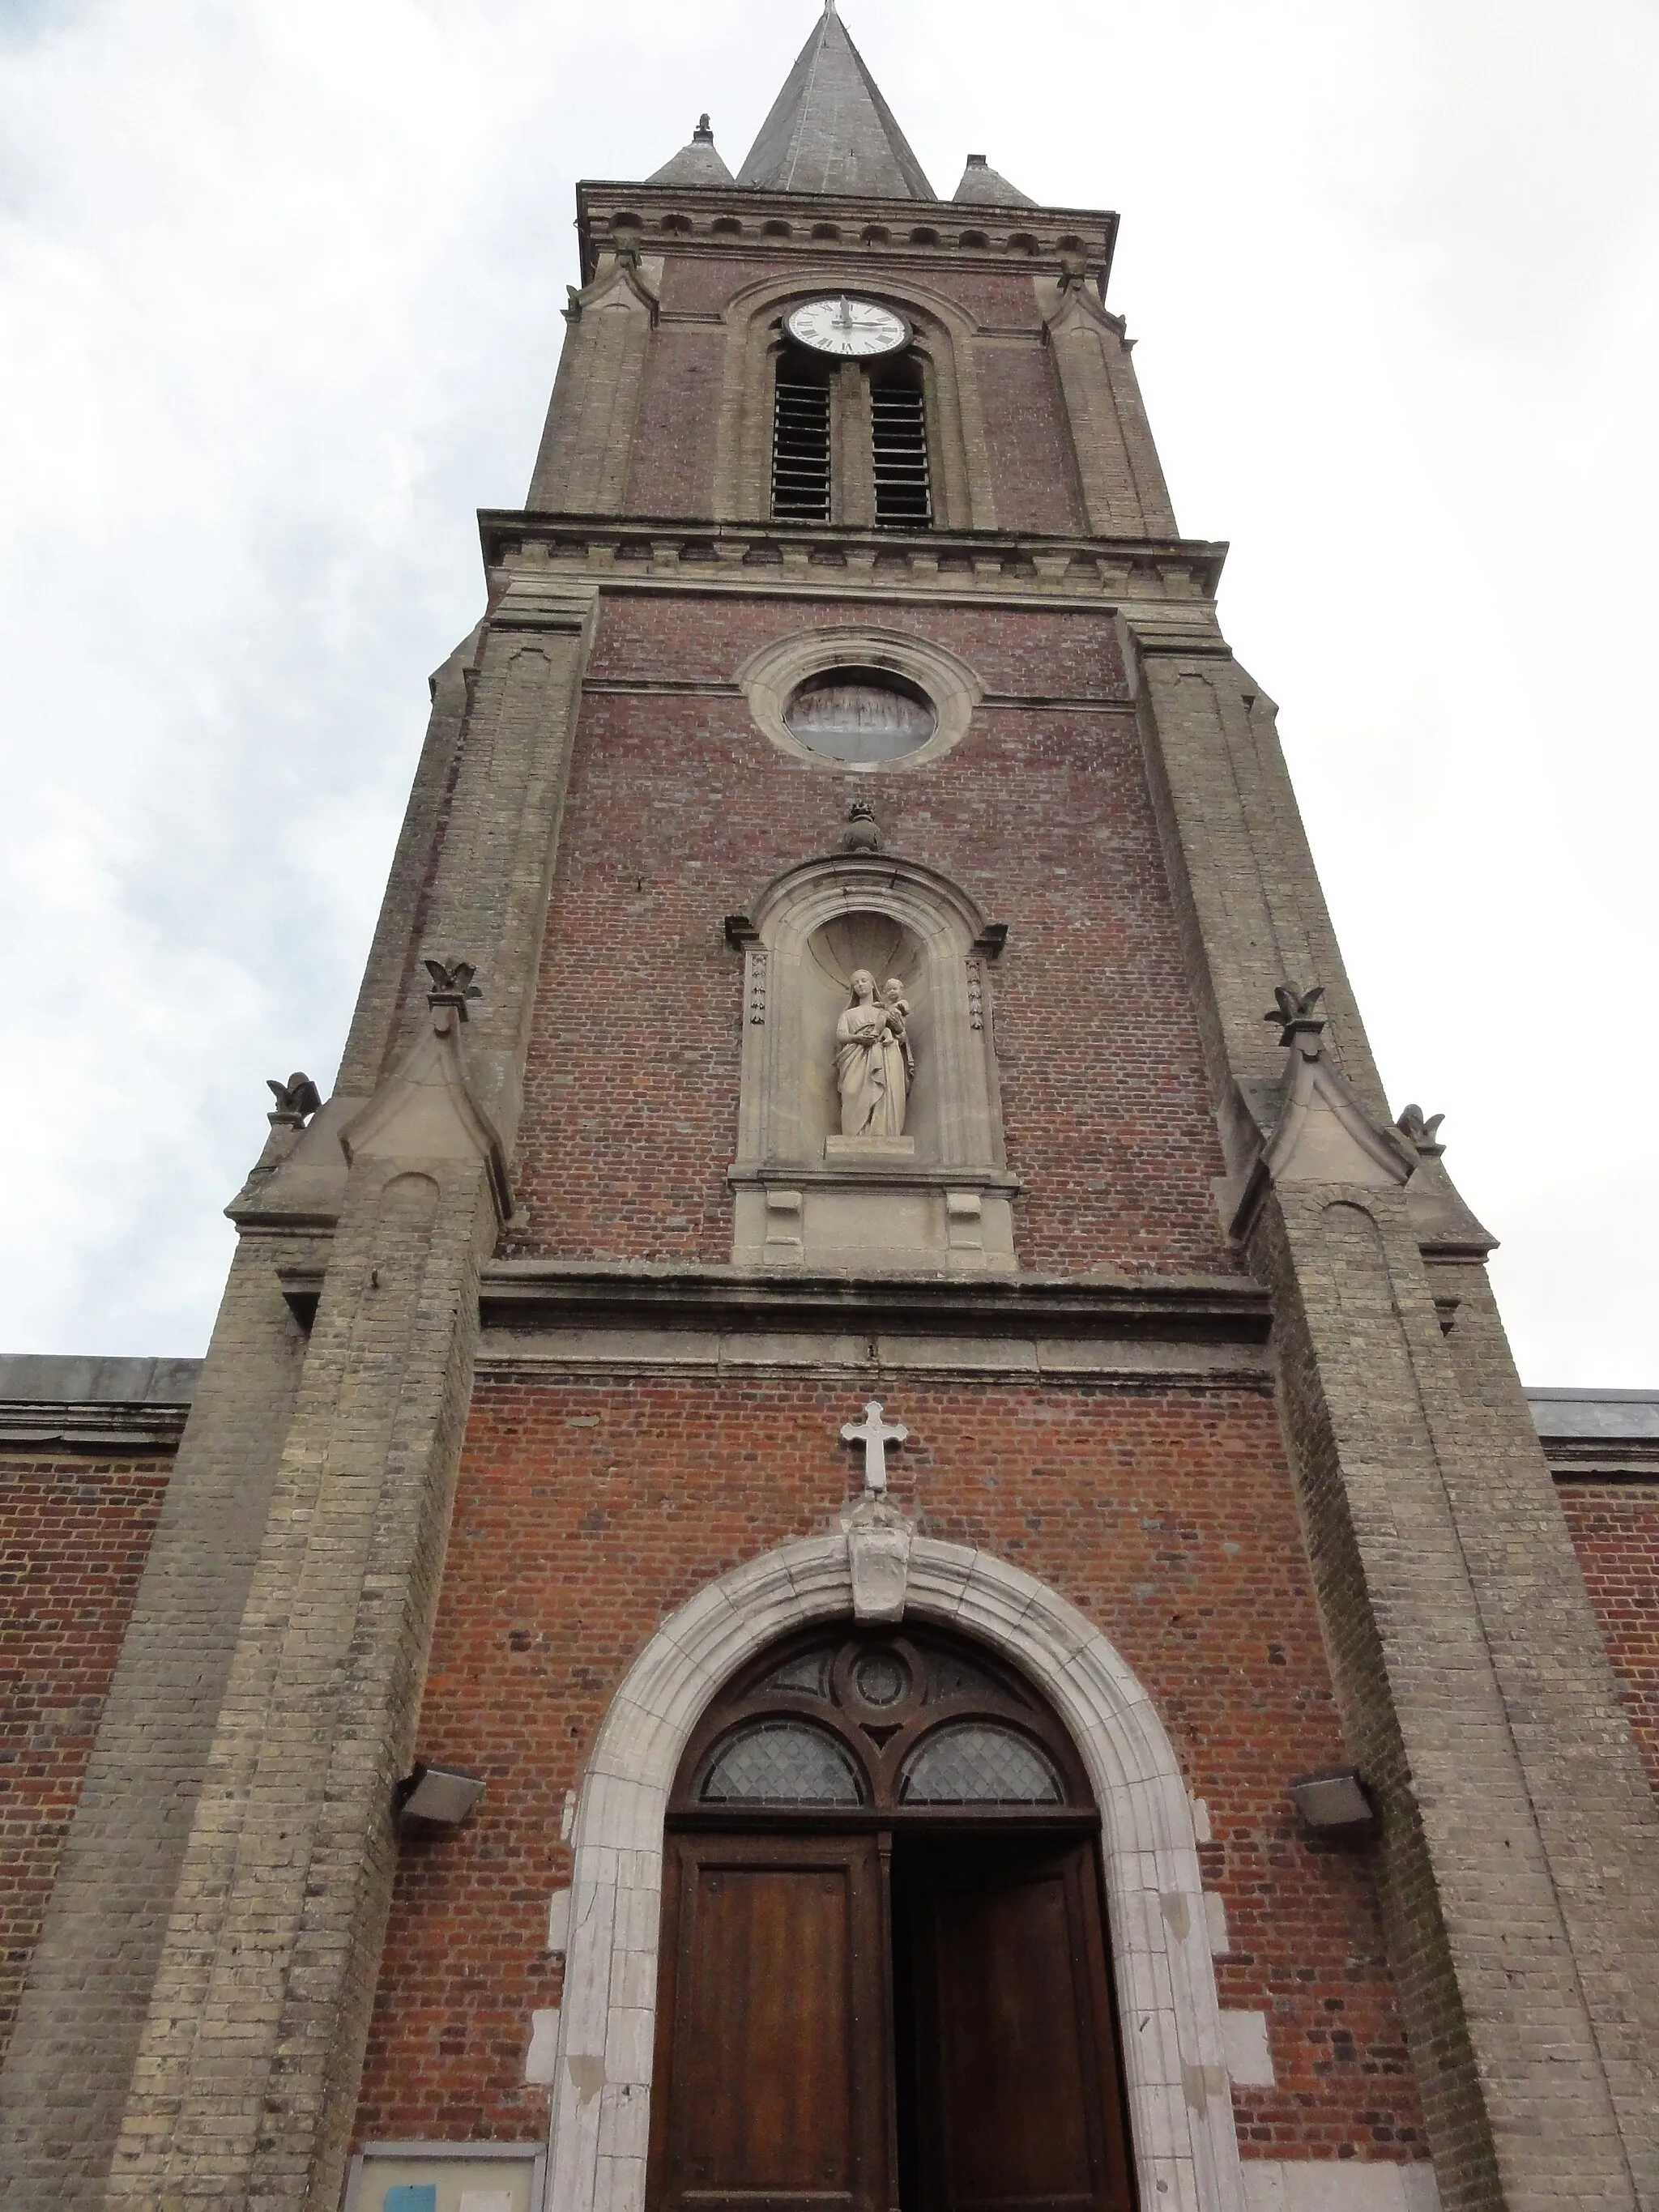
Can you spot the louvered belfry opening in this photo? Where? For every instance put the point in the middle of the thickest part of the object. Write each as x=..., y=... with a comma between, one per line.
x=800, y=442
x=903, y=493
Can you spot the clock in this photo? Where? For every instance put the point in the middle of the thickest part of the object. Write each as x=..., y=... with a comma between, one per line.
x=856, y=329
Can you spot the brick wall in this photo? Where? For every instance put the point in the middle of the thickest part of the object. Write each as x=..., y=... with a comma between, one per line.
x=1027, y=461
x=679, y=810
x=672, y=469
x=74, y=1532
x=589, y=1511
x=1033, y=470
x=1614, y=1528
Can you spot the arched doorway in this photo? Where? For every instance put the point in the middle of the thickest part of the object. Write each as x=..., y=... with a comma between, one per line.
x=883, y=1981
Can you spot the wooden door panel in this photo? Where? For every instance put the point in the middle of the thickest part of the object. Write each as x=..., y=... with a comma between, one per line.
x=772, y=2092
x=1010, y=2064
x=1017, y=2076
x=770, y=2082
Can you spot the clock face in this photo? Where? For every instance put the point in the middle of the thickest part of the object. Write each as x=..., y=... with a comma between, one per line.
x=855, y=329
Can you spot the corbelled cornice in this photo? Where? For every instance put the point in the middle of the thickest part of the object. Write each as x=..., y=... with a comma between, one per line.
x=832, y=227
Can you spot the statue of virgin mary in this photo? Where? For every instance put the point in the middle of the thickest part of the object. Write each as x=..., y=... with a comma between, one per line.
x=870, y=1064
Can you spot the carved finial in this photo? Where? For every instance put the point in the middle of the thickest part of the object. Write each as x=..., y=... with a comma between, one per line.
x=1294, y=1015
x=451, y=986
x=297, y=1100
x=862, y=834
x=704, y=133
x=1421, y=1131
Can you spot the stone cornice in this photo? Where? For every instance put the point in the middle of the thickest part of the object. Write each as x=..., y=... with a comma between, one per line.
x=540, y=1293
x=110, y=1431
x=824, y=226
x=1220, y=1309
x=644, y=552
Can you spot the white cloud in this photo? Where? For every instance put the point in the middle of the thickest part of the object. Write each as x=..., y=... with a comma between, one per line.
x=282, y=285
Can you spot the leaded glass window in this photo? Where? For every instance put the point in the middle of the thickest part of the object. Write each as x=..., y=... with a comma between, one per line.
x=977, y=1763
x=782, y=1763
x=868, y=1724
x=809, y=1674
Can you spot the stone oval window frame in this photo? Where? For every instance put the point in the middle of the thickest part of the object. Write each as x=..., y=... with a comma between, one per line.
x=770, y=678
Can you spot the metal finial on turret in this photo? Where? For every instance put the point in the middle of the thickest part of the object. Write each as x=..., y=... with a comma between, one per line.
x=704, y=133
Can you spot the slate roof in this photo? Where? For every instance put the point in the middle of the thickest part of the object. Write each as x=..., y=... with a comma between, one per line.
x=983, y=185
x=695, y=164
x=830, y=131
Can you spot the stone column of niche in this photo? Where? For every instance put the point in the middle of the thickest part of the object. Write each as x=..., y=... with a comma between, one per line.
x=1122, y=484
x=588, y=448
x=72, y=2048
x=852, y=438
x=246, y=2076
x=1525, y=2052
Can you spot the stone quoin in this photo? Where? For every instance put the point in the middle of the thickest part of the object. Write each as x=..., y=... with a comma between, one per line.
x=858, y=1342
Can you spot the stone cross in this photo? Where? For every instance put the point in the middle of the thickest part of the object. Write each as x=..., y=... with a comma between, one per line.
x=875, y=1435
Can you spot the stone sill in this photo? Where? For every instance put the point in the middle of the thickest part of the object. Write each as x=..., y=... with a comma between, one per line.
x=875, y=1166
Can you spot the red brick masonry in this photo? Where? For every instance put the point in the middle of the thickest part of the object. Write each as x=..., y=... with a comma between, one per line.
x=75, y=1533
x=1616, y=1533
x=679, y=810
x=587, y=1511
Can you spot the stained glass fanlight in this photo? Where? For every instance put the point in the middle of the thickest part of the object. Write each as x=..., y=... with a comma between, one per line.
x=977, y=1763
x=782, y=1763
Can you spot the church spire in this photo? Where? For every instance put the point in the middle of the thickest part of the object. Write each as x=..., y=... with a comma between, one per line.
x=830, y=131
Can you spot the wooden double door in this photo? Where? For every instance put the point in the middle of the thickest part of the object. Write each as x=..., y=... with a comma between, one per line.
x=901, y=2020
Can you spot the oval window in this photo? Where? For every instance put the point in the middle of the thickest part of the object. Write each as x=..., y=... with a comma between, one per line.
x=782, y=1763
x=861, y=714
x=975, y=1763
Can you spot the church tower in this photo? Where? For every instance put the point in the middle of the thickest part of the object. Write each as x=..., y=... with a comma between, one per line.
x=858, y=1532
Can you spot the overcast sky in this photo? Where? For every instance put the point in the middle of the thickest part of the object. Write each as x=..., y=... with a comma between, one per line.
x=280, y=292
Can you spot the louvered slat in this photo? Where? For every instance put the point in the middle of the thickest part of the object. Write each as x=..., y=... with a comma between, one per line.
x=800, y=452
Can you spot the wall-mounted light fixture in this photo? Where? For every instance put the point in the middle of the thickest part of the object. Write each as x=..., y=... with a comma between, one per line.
x=436, y=1797
x=1336, y=1803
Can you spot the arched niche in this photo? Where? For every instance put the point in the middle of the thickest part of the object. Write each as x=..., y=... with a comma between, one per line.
x=939, y=1198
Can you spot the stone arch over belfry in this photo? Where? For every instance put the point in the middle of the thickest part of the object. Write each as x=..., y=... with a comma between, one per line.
x=942, y=347
x=1184, y=2140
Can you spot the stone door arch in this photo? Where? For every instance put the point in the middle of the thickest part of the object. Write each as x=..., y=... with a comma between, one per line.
x=1185, y=2148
